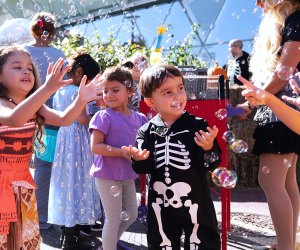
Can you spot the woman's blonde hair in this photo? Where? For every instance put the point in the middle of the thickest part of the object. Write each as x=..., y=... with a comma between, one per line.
x=265, y=57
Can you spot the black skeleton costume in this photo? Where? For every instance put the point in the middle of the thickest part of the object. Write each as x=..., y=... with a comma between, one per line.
x=238, y=66
x=179, y=197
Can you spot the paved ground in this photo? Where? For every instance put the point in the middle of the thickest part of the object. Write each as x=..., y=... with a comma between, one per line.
x=251, y=224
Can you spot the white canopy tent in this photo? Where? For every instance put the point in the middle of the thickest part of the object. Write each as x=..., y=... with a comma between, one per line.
x=219, y=20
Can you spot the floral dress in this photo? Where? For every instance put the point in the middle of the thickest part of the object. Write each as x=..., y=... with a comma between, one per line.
x=73, y=197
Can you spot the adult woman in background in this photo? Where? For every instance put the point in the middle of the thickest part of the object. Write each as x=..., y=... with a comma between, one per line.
x=276, y=48
x=42, y=52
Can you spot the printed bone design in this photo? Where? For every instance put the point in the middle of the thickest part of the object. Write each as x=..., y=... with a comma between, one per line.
x=177, y=190
x=179, y=153
x=234, y=69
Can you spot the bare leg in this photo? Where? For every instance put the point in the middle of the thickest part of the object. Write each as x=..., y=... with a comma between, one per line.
x=293, y=192
x=273, y=183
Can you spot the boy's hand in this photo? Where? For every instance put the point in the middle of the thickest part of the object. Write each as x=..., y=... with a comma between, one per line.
x=55, y=74
x=92, y=91
x=205, y=140
x=136, y=154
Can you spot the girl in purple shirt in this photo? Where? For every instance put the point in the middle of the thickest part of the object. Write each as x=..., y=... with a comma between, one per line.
x=111, y=129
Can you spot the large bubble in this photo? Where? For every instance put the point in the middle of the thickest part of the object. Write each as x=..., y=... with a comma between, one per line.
x=224, y=177
x=238, y=146
x=15, y=32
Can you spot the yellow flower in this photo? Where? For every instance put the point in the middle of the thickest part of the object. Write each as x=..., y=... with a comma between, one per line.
x=161, y=30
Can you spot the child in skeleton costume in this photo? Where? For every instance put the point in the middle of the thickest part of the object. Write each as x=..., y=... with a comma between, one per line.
x=171, y=148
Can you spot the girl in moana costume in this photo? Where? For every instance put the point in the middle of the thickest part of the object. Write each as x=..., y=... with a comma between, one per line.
x=22, y=113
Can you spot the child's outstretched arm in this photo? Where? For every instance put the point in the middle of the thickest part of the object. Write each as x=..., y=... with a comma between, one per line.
x=135, y=153
x=205, y=140
x=28, y=108
x=289, y=116
x=142, y=155
x=100, y=148
x=86, y=93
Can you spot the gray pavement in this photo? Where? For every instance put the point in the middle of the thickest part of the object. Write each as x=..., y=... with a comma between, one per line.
x=250, y=224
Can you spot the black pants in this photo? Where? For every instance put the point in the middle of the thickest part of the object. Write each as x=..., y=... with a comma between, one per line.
x=175, y=221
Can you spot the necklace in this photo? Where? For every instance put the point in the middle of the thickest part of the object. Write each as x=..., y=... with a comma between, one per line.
x=11, y=100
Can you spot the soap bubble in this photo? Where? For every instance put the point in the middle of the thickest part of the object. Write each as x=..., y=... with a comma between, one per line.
x=115, y=191
x=224, y=177
x=238, y=146
x=109, y=148
x=228, y=136
x=15, y=32
x=127, y=84
x=176, y=105
x=142, y=65
x=287, y=163
x=125, y=215
x=221, y=114
x=211, y=157
x=265, y=169
x=284, y=72
x=202, y=95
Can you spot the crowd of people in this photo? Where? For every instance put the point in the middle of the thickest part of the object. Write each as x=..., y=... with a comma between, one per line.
x=86, y=162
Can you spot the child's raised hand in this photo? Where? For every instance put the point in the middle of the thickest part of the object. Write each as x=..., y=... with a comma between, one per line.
x=55, y=74
x=92, y=91
x=205, y=140
x=294, y=83
x=135, y=153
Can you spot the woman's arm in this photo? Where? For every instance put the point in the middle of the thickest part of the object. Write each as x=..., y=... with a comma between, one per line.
x=290, y=56
x=289, y=116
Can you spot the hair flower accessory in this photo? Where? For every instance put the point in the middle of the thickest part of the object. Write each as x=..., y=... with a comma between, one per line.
x=40, y=23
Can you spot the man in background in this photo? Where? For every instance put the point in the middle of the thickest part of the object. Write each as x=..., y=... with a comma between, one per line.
x=239, y=63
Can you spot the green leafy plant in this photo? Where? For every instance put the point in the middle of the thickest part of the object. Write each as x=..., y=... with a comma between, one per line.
x=182, y=54
x=111, y=52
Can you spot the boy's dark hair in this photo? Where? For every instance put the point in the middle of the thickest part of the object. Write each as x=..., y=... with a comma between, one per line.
x=120, y=74
x=41, y=22
x=89, y=66
x=128, y=64
x=153, y=77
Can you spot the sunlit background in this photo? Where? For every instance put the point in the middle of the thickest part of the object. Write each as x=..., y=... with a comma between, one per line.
x=136, y=21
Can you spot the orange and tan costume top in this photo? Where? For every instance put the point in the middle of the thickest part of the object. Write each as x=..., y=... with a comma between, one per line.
x=15, y=156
